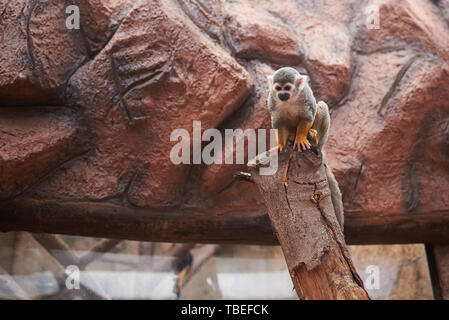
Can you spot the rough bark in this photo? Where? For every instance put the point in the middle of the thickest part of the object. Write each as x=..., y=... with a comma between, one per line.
x=303, y=218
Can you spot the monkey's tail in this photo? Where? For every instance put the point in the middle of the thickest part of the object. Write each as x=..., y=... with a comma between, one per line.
x=336, y=197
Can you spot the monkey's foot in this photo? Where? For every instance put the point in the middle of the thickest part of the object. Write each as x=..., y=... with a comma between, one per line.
x=280, y=147
x=313, y=135
x=301, y=143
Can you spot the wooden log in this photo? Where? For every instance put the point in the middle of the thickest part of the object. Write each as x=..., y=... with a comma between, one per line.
x=117, y=221
x=303, y=218
x=111, y=220
x=438, y=261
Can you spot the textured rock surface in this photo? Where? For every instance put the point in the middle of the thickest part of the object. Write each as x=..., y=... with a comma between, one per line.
x=254, y=33
x=136, y=71
x=38, y=52
x=100, y=19
x=33, y=143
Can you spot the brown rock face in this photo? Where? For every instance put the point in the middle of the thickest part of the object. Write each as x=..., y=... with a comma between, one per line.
x=38, y=52
x=255, y=33
x=100, y=19
x=86, y=115
x=33, y=143
x=154, y=80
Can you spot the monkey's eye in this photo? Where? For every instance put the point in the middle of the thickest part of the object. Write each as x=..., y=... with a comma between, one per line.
x=287, y=88
x=278, y=88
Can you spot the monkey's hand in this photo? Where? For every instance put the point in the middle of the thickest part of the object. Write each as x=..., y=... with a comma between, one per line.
x=313, y=134
x=301, y=142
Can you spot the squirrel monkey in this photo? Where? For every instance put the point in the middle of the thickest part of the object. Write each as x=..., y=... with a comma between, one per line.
x=297, y=116
x=292, y=107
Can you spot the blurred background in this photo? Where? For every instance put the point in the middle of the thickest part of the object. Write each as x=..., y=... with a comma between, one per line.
x=36, y=269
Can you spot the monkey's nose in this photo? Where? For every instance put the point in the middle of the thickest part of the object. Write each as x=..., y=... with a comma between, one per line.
x=284, y=96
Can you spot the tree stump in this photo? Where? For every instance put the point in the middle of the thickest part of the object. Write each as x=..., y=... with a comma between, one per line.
x=304, y=221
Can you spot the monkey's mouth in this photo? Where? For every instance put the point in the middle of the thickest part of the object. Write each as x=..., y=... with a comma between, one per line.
x=284, y=96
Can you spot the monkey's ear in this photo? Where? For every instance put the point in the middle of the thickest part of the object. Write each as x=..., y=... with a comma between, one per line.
x=270, y=80
x=302, y=81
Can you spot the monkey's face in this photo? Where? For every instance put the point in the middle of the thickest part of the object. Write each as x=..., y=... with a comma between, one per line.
x=284, y=91
x=286, y=84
